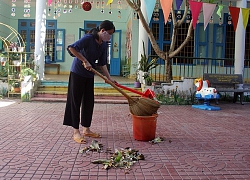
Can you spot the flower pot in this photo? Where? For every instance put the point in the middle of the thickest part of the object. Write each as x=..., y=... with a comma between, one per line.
x=20, y=49
x=137, y=84
x=16, y=62
x=17, y=89
x=144, y=127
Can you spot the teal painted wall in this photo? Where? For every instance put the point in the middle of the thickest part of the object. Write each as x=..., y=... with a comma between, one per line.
x=71, y=22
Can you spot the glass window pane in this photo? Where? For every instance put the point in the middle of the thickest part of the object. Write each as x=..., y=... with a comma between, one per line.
x=23, y=24
x=167, y=30
x=155, y=30
x=219, y=34
x=218, y=52
x=202, y=33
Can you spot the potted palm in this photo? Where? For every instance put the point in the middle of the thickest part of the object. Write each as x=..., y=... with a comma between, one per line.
x=145, y=65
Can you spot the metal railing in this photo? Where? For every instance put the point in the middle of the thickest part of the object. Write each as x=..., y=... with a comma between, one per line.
x=192, y=67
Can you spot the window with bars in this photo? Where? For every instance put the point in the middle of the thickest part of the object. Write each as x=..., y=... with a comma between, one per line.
x=247, y=46
x=229, y=45
x=188, y=50
x=163, y=34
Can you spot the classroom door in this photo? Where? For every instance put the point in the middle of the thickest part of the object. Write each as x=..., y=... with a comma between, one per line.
x=115, y=54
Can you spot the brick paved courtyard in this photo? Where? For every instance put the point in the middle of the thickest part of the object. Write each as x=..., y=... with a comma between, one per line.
x=198, y=144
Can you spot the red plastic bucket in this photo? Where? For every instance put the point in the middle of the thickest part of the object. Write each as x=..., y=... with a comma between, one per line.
x=144, y=127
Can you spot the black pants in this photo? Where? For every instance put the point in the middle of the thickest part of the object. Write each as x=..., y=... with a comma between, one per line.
x=80, y=96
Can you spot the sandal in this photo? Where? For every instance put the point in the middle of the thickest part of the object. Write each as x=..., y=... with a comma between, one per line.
x=93, y=135
x=80, y=140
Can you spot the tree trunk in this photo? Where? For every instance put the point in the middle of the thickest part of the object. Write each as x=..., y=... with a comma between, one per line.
x=168, y=68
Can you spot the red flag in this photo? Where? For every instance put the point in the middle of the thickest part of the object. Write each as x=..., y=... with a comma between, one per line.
x=195, y=10
x=234, y=11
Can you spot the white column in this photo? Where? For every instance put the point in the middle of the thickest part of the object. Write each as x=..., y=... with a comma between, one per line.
x=240, y=41
x=40, y=36
x=143, y=36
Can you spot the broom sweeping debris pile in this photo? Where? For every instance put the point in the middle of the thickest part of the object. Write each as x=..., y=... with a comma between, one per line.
x=137, y=106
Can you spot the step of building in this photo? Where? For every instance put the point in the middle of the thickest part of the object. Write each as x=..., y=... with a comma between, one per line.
x=102, y=94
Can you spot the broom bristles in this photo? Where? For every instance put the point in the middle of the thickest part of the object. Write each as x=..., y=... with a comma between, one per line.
x=143, y=106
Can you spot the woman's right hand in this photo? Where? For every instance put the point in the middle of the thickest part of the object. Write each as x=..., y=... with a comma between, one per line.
x=87, y=65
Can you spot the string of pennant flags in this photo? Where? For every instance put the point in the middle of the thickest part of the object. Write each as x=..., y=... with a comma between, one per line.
x=66, y=6
x=195, y=8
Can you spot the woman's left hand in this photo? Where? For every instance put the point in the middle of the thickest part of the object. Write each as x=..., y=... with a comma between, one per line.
x=113, y=81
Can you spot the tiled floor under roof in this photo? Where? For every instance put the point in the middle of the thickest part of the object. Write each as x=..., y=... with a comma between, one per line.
x=198, y=144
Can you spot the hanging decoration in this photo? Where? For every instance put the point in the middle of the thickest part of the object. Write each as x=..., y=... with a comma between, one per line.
x=220, y=8
x=234, y=11
x=92, y=2
x=156, y=11
x=76, y=4
x=208, y=10
x=135, y=15
x=170, y=17
x=97, y=4
x=49, y=2
x=149, y=5
x=13, y=8
x=229, y=18
x=211, y=19
x=119, y=7
x=55, y=10
x=245, y=14
x=86, y=6
x=109, y=2
x=178, y=4
x=110, y=11
x=188, y=17
x=49, y=9
x=59, y=4
x=65, y=6
x=195, y=8
x=70, y=6
x=102, y=6
x=178, y=16
x=166, y=7
x=26, y=9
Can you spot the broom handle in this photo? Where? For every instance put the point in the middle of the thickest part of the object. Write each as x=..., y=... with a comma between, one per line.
x=111, y=83
x=130, y=89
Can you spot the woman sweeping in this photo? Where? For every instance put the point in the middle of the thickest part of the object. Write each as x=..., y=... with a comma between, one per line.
x=80, y=98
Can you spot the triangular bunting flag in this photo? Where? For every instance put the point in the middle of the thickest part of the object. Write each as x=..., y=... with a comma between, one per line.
x=109, y=2
x=49, y=2
x=208, y=10
x=195, y=10
x=245, y=16
x=166, y=7
x=219, y=10
x=234, y=11
x=149, y=5
x=178, y=4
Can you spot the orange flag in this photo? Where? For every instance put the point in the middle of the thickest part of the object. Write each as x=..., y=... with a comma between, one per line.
x=166, y=6
x=234, y=11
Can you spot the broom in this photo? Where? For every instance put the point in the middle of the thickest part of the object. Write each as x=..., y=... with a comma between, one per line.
x=137, y=106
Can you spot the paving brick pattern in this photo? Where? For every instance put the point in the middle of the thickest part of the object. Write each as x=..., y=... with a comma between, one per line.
x=198, y=144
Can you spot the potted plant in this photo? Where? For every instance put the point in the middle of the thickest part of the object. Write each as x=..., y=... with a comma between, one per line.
x=137, y=83
x=3, y=58
x=148, y=79
x=145, y=65
x=15, y=86
x=28, y=72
